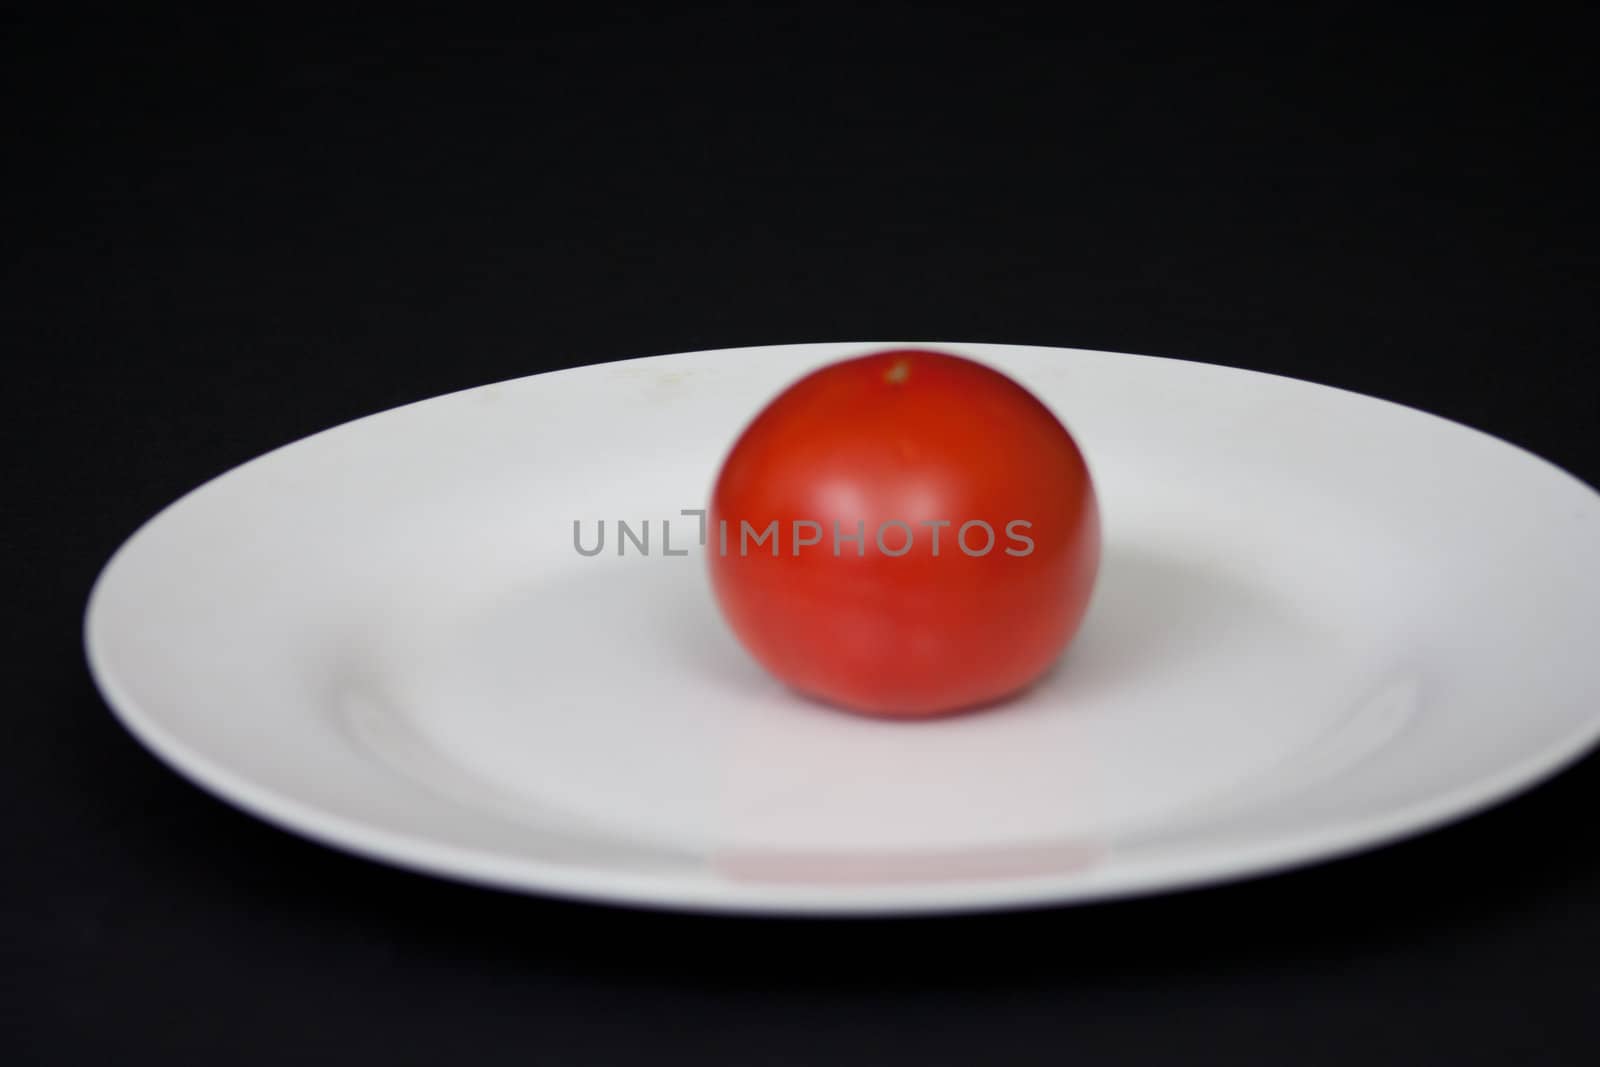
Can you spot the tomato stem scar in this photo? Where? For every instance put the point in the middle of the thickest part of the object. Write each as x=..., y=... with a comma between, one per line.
x=898, y=373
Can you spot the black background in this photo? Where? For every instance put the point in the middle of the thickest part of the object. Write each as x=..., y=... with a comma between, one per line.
x=224, y=235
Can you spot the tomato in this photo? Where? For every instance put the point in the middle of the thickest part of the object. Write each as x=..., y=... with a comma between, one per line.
x=906, y=534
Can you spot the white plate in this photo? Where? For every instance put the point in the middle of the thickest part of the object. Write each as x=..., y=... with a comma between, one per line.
x=1323, y=622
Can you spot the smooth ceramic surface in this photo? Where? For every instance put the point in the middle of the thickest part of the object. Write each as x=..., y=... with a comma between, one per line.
x=1323, y=622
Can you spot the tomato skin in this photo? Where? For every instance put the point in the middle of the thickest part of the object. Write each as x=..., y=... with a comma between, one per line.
x=905, y=437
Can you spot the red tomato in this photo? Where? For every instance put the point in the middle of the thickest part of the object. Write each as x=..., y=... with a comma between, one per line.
x=905, y=534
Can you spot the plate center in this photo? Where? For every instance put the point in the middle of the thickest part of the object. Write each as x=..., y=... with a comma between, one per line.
x=610, y=692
